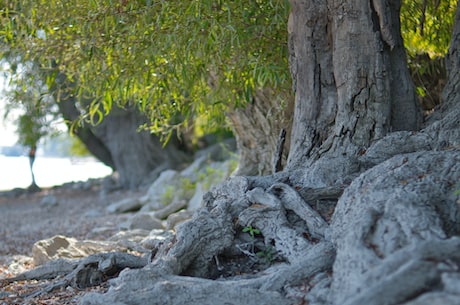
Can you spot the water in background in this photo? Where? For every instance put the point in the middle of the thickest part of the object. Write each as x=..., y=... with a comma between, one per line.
x=14, y=171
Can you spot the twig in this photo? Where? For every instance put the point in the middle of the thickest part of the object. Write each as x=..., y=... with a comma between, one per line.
x=278, y=155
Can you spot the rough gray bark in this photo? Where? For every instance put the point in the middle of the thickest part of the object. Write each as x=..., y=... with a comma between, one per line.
x=212, y=242
x=86, y=272
x=387, y=253
x=350, y=75
x=169, y=290
x=391, y=225
x=256, y=128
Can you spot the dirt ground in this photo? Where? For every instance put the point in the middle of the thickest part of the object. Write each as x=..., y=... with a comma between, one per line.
x=68, y=211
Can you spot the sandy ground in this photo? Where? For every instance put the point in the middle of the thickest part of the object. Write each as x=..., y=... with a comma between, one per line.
x=31, y=217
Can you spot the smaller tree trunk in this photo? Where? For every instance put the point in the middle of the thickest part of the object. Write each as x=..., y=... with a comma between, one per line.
x=136, y=153
x=257, y=128
x=118, y=142
x=32, y=151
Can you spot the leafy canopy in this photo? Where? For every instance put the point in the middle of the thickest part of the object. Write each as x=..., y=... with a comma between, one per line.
x=35, y=109
x=427, y=25
x=176, y=60
x=173, y=59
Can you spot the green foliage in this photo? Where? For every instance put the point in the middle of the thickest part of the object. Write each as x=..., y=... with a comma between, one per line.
x=251, y=230
x=177, y=60
x=269, y=254
x=209, y=176
x=168, y=195
x=457, y=190
x=427, y=26
x=183, y=191
x=429, y=76
x=186, y=187
x=61, y=144
x=77, y=148
x=173, y=59
x=258, y=250
x=27, y=99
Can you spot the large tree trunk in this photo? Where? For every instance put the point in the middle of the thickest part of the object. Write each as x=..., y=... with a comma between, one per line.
x=351, y=78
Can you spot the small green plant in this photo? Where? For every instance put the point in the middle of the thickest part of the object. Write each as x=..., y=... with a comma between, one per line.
x=233, y=164
x=187, y=187
x=457, y=189
x=251, y=230
x=268, y=254
x=168, y=195
x=210, y=176
x=256, y=249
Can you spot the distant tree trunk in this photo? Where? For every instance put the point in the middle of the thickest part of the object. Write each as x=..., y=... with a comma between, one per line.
x=257, y=127
x=118, y=143
x=32, y=152
x=136, y=153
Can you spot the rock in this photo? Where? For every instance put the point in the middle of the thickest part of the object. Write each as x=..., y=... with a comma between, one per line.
x=219, y=152
x=172, y=188
x=177, y=218
x=156, y=238
x=18, y=264
x=135, y=235
x=49, y=201
x=158, y=194
x=145, y=221
x=14, y=193
x=131, y=239
x=171, y=208
x=102, y=231
x=197, y=200
x=125, y=205
x=216, y=154
x=191, y=171
x=93, y=213
x=66, y=247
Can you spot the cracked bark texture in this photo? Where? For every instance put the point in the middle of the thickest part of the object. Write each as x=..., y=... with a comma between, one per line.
x=350, y=77
x=403, y=203
x=257, y=127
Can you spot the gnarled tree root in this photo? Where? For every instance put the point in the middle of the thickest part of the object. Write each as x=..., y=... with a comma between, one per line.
x=86, y=272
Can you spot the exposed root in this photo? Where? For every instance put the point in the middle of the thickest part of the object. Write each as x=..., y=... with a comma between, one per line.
x=87, y=272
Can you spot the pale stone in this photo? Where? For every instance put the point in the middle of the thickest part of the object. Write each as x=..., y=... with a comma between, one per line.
x=145, y=221
x=60, y=246
x=125, y=205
